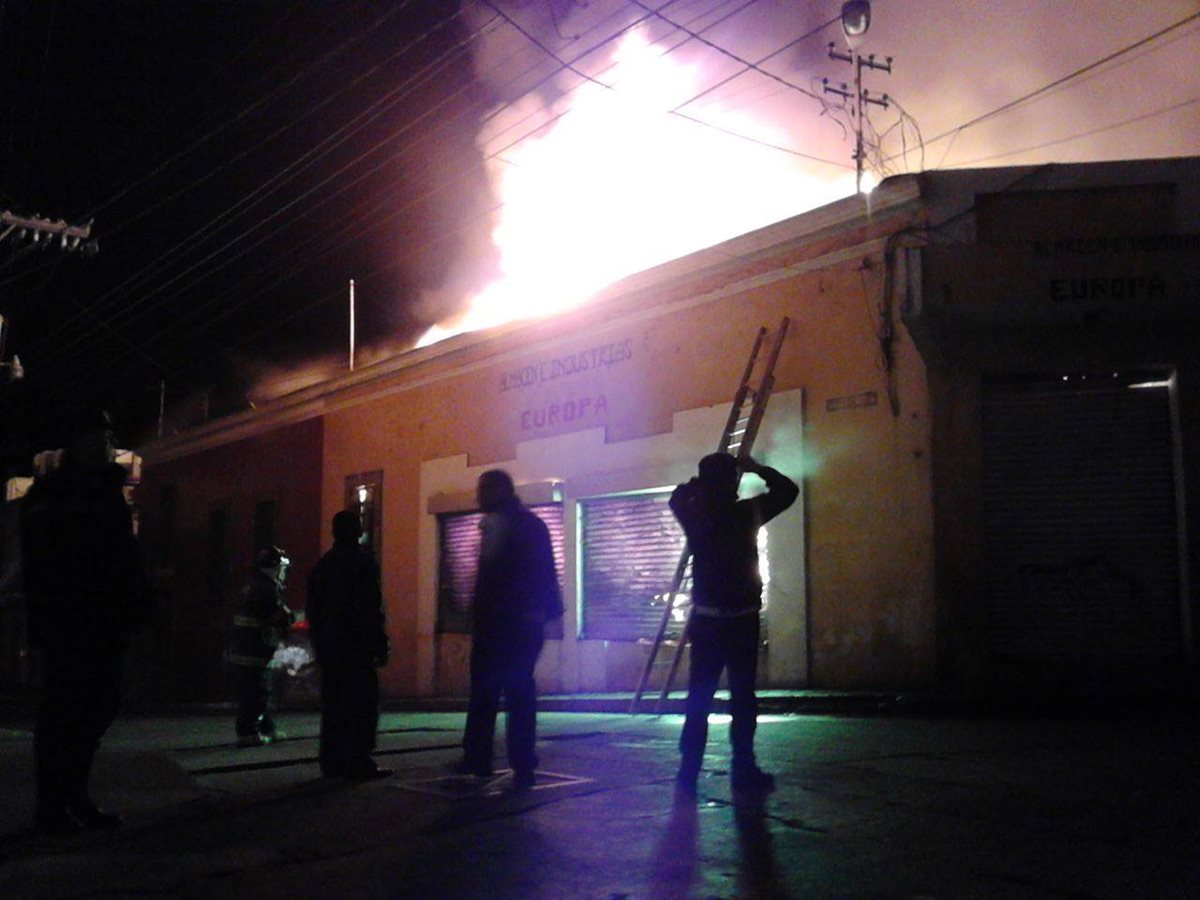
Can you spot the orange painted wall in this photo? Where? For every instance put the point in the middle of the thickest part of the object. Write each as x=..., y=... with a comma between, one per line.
x=867, y=481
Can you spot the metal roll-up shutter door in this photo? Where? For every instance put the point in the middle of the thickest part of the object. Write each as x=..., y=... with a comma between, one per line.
x=459, y=540
x=1080, y=517
x=630, y=546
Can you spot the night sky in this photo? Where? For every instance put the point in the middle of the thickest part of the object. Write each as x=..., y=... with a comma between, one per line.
x=241, y=161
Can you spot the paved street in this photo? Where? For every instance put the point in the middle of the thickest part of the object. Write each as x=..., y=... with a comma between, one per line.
x=879, y=806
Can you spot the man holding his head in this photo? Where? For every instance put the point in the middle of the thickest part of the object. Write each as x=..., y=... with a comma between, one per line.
x=722, y=533
x=516, y=594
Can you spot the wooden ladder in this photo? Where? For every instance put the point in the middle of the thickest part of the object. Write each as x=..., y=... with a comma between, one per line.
x=737, y=439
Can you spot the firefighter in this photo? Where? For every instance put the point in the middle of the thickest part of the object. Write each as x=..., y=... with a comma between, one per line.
x=88, y=594
x=258, y=630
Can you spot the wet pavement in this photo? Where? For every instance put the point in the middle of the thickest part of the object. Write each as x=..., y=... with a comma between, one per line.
x=867, y=806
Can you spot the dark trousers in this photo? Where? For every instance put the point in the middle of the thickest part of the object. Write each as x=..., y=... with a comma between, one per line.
x=80, y=696
x=349, y=718
x=255, y=686
x=730, y=644
x=503, y=663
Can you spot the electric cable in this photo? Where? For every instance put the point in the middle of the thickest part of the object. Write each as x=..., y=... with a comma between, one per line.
x=132, y=280
x=725, y=52
x=1024, y=98
x=167, y=257
x=674, y=112
x=826, y=161
x=758, y=62
x=244, y=233
x=277, y=91
x=328, y=179
x=773, y=146
x=1175, y=107
x=393, y=157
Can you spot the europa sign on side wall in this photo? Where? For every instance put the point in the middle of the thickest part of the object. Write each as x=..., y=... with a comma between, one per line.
x=564, y=391
x=1116, y=279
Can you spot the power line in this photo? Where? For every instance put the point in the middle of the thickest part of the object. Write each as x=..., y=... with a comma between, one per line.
x=362, y=156
x=1064, y=79
x=725, y=52
x=674, y=112
x=758, y=62
x=1082, y=134
x=329, y=143
x=773, y=146
x=167, y=257
x=370, y=151
x=275, y=92
x=259, y=224
x=359, y=158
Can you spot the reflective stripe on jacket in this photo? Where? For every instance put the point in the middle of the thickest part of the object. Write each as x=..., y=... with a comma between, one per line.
x=260, y=623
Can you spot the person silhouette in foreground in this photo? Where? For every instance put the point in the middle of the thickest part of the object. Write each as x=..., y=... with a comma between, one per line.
x=85, y=581
x=345, y=618
x=722, y=533
x=259, y=628
x=516, y=595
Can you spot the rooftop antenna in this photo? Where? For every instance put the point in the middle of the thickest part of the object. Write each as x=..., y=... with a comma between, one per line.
x=351, y=324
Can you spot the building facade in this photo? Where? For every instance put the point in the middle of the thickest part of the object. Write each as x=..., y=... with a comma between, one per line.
x=1057, y=309
x=963, y=348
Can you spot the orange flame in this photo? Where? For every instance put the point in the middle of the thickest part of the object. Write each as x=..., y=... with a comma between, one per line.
x=618, y=184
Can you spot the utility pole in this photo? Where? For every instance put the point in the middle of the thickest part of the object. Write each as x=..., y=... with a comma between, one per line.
x=41, y=232
x=856, y=19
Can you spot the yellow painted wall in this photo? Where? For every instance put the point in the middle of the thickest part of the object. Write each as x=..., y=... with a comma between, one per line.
x=866, y=468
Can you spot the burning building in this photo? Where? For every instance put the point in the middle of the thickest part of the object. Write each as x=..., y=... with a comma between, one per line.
x=983, y=392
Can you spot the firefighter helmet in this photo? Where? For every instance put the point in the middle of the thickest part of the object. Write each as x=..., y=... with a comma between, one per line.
x=271, y=557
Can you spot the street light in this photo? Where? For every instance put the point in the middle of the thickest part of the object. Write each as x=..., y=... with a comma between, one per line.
x=856, y=18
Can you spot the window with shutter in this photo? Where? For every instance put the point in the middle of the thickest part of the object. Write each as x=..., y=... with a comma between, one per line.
x=629, y=545
x=458, y=557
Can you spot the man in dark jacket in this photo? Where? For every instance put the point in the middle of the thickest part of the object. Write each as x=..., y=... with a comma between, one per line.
x=345, y=618
x=722, y=534
x=87, y=591
x=259, y=628
x=516, y=594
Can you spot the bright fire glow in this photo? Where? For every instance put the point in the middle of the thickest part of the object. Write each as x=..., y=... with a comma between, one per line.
x=618, y=185
x=764, y=566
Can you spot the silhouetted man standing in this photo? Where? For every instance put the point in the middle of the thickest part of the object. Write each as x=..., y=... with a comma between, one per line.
x=516, y=594
x=87, y=591
x=345, y=617
x=722, y=534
